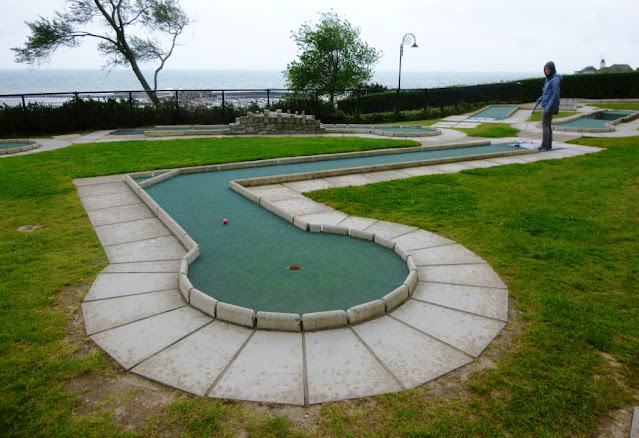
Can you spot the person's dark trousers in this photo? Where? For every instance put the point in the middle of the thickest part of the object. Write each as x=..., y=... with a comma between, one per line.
x=546, y=125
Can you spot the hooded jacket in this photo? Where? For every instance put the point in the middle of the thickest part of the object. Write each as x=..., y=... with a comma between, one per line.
x=549, y=99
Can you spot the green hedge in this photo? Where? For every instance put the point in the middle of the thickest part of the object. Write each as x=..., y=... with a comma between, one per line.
x=621, y=85
x=82, y=115
x=433, y=97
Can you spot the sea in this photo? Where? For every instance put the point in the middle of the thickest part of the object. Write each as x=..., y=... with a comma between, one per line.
x=47, y=80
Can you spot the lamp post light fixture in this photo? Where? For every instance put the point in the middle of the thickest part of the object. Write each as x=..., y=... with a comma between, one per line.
x=408, y=38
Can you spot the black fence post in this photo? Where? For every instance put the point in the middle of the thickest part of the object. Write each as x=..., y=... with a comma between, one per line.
x=268, y=98
x=357, y=108
x=176, y=117
x=78, y=109
x=425, y=103
x=131, y=113
x=25, y=115
x=223, y=108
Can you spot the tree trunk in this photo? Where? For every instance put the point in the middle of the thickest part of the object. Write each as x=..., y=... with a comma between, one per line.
x=151, y=92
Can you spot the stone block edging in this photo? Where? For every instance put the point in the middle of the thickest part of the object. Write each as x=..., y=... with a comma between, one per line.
x=25, y=145
x=265, y=320
x=288, y=321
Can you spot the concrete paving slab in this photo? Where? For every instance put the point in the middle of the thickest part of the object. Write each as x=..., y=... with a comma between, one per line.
x=309, y=185
x=388, y=175
x=328, y=217
x=420, y=239
x=132, y=343
x=195, y=362
x=160, y=248
x=451, y=254
x=110, y=285
x=106, y=201
x=444, y=124
x=451, y=167
x=634, y=427
x=413, y=357
x=80, y=182
x=103, y=189
x=340, y=367
x=389, y=230
x=485, y=301
x=115, y=215
x=508, y=160
x=269, y=369
x=467, y=332
x=561, y=153
x=274, y=192
x=133, y=231
x=356, y=222
x=301, y=205
x=159, y=266
x=423, y=171
x=350, y=180
x=470, y=275
x=112, y=312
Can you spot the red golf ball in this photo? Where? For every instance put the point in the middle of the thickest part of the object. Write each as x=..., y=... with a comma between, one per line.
x=225, y=221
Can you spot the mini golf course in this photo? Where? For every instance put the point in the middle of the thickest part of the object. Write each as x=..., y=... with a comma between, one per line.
x=248, y=261
x=143, y=311
x=493, y=113
x=598, y=121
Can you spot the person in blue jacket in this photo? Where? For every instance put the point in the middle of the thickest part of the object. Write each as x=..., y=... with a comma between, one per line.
x=549, y=101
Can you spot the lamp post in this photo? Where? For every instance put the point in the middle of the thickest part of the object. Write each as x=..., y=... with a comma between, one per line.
x=408, y=38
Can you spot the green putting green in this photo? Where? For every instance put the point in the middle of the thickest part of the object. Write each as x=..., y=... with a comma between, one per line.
x=599, y=121
x=495, y=112
x=248, y=261
x=14, y=144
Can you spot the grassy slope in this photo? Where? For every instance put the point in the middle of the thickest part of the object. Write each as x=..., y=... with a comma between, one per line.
x=561, y=233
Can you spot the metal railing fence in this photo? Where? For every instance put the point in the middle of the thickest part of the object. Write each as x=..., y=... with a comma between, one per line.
x=31, y=114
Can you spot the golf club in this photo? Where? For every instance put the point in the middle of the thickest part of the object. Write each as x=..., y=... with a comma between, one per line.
x=518, y=144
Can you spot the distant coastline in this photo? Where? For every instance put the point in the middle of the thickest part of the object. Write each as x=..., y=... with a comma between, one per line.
x=31, y=81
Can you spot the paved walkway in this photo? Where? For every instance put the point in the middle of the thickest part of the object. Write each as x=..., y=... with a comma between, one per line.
x=136, y=313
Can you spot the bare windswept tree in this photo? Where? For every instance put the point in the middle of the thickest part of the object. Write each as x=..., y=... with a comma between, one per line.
x=135, y=32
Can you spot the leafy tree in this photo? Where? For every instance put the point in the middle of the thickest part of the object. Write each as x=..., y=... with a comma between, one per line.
x=333, y=57
x=159, y=21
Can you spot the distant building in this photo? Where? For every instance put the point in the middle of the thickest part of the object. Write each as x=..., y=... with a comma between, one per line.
x=589, y=69
x=614, y=68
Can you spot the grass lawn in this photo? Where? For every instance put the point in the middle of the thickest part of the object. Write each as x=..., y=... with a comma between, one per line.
x=562, y=234
x=619, y=106
x=490, y=130
x=539, y=114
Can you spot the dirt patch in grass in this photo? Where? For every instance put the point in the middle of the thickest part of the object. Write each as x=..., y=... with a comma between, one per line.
x=131, y=399
x=29, y=228
x=616, y=425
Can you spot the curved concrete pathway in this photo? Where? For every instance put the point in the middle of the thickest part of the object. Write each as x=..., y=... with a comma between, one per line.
x=136, y=313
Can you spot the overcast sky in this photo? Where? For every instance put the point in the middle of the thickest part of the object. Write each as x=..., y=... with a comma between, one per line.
x=453, y=35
